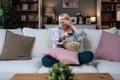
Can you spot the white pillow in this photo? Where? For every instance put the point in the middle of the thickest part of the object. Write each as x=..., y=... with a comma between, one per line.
x=42, y=39
x=93, y=38
x=112, y=30
x=3, y=33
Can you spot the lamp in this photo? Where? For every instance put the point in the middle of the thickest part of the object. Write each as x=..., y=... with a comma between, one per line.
x=93, y=19
x=49, y=13
x=118, y=16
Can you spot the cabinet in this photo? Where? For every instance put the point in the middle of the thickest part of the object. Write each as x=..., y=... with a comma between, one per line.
x=28, y=13
x=107, y=13
x=82, y=26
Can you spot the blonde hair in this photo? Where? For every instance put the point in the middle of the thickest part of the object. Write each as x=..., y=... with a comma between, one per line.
x=64, y=16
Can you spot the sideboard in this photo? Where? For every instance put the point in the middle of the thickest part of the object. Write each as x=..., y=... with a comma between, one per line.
x=83, y=26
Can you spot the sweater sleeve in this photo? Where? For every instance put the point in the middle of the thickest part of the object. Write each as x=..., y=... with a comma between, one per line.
x=55, y=37
x=80, y=35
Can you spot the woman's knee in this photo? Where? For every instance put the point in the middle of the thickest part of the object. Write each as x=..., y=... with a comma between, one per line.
x=85, y=57
x=48, y=61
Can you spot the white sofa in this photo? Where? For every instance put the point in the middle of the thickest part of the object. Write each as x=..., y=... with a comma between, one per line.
x=42, y=43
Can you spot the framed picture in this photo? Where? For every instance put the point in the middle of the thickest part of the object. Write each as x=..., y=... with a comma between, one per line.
x=31, y=18
x=74, y=20
x=23, y=17
x=88, y=21
x=24, y=6
x=70, y=3
x=117, y=6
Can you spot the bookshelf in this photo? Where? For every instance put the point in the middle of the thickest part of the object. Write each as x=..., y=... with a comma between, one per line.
x=107, y=13
x=27, y=12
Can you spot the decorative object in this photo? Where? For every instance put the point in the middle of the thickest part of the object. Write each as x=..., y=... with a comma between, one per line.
x=108, y=48
x=7, y=19
x=23, y=17
x=70, y=3
x=118, y=16
x=60, y=71
x=88, y=21
x=63, y=55
x=31, y=18
x=49, y=13
x=74, y=20
x=117, y=6
x=93, y=19
x=24, y=6
x=17, y=47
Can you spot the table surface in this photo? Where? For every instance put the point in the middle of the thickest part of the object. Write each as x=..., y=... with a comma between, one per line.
x=79, y=76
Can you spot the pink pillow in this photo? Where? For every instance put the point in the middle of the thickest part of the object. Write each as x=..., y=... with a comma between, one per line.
x=61, y=54
x=109, y=47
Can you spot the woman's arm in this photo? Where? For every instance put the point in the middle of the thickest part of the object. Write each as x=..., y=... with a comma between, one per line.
x=58, y=36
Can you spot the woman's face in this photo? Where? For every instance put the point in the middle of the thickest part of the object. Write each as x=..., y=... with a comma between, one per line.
x=63, y=23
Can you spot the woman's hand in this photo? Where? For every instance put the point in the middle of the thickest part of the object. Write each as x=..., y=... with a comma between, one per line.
x=70, y=24
x=64, y=36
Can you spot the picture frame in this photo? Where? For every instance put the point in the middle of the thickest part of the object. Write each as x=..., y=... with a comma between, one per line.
x=31, y=17
x=23, y=17
x=88, y=21
x=24, y=6
x=74, y=20
x=70, y=3
x=117, y=6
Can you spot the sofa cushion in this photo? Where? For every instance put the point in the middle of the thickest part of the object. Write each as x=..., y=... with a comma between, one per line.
x=93, y=38
x=109, y=47
x=106, y=66
x=61, y=54
x=42, y=39
x=85, y=68
x=3, y=33
x=16, y=47
x=21, y=66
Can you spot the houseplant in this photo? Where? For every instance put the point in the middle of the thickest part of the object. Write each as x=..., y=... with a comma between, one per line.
x=60, y=71
x=7, y=19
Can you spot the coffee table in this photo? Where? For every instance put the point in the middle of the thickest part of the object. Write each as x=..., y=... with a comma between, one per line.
x=79, y=76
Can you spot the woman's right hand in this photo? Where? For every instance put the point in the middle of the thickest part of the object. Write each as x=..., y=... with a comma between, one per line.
x=64, y=36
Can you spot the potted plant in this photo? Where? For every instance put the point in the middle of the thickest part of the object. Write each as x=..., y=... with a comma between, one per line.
x=7, y=19
x=60, y=71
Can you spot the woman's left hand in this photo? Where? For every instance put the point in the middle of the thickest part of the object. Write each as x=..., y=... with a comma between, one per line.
x=68, y=23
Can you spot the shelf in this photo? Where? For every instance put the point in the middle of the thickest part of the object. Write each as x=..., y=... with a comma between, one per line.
x=27, y=11
x=108, y=12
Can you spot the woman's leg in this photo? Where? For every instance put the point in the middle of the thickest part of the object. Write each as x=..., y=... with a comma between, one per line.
x=48, y=61
x=85, y=57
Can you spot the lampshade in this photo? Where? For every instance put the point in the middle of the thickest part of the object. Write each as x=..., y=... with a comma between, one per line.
x=118, y=16
x=49, y=11
x=93, y=19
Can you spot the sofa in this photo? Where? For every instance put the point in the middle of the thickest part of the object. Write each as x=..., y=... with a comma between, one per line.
x=42, y=42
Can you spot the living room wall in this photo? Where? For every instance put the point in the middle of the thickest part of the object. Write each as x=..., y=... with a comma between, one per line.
x=88, y=6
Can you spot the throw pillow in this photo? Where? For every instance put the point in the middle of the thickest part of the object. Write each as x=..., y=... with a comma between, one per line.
x=16, y=47
x=61, y=54
x=3, y=33
x=93, y=37
x=109, y=47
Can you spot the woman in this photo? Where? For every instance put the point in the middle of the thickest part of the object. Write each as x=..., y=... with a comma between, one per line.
x=67, y=32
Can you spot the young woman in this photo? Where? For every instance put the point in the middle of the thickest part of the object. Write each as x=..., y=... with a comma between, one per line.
x=67, y=32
